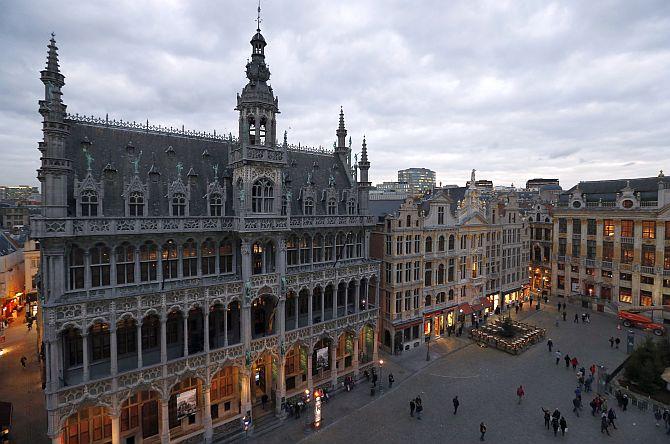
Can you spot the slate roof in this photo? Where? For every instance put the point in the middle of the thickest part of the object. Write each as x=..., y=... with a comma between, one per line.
x=382, y=208
x=162, y=152
x=6, y=245
x=607, y=189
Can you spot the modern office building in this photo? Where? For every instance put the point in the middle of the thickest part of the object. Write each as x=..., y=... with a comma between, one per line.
x=191, y=279
x=420, y=180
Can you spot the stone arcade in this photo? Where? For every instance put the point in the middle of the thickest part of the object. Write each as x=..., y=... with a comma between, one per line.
x=186, y=267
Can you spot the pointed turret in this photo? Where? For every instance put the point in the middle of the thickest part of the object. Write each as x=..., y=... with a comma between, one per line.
x=55, y=130
x=341, y=150
x=363, y=182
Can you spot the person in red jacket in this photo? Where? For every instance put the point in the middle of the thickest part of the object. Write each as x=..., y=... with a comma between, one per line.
x=520, y=393
x=574, y=363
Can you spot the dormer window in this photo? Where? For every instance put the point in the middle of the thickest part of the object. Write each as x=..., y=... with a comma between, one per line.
x=89, y=203
x=351, y=207
x=440, y=215
x=178, y=204
x=136, y=204
x=215, y=205
x=309, y=206
x=332, y=207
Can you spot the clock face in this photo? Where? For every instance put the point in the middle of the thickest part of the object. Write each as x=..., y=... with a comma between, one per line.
x=627, y=203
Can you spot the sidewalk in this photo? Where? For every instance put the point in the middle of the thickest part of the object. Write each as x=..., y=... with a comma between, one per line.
x=22, y=386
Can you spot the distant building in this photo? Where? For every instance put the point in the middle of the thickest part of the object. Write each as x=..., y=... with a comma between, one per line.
x=536, y=184
x=14, y=215
x=11, y=273
x=390, y=191
x=419, y=179
x=482, y=183
x=17, y=193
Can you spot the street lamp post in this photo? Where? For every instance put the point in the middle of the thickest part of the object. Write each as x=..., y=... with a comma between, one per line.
x=381, y=379
x=428, y=349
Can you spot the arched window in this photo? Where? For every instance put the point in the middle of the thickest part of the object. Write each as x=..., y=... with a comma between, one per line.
x=76, y=268
x=339, y=246
x=136, y=204
x=170, y=259
x=189, y=259
x=74, y=350
x=292, y=251
x=328, y=248
x=440, y=297
x=451, y=294
x=429, y=244
x=305, y=247
x=126, y=337
x=148, y=261
x=100, y=261
x=440, y=243
x=208, y=257
x=215, y=205
x=429, y=300
x=99, y=339
x=125, y=264
x=317, y=248
x=351, y=207
x=359, y=244
x=226, y=257
x=309, y=206
x=178, y=204
x=351, y=245
x=409, y=220
x=332, y=206
x=89, y=203
x=451, y=241
x=252, y=130
x=262, y=130
x=284, y=205
x=440, y=274
x=262, y=196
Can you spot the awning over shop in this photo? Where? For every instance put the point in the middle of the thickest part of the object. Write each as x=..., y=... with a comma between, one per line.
x=467, y=308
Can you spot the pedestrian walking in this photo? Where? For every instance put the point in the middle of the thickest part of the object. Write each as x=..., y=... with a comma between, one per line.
x=482, y=430
x=559, y=306
x=574, y=363
x=578, y=393
x=576, y=405
x=550, y=344
x=617, y=341
x=619, y=398
x=564, y=425
x=419, y=408
x=666, y=418
x=554, y=425
x=594, y=406
x=558, y=356
x=565, y=315
x=567, y=360
x=611, y=341
x=391, y=380
x=23, y=361
x=592, y=369
x=412, y=406
x=604, y=424
x=547, y=417
x=516, y=309
x=611, y=416
x=456, y=404
x=520, y=393
x=576, y=321
x=587, y=384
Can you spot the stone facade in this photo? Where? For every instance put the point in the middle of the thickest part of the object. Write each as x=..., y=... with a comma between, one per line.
x=189, y=278
x=611, y=243
x=540, y=222
x=448, y=261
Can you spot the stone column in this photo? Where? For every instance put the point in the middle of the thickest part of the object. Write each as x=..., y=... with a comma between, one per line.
x=357, y=296
x=206, y=329
x=323, y=303
x=114, y=362
x=116, y=430
x=207, y=414
x=281, y=384
x=165, y=422
x=346, y=299
x=354, y=359
x=375, y=344
x=163, y=339
x=185, y=334
x=336, y=295
x=333, y=359
x=245, y=394
x=225, y=326
x=297, y=311
x=84, y=345
x=309, y=307
x=281, y=309
x=310, y=381
x=140, y=364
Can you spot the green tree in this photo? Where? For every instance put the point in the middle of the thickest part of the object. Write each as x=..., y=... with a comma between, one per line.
x=646, y=364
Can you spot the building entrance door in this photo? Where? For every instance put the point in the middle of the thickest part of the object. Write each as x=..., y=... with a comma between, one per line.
x=150, y=418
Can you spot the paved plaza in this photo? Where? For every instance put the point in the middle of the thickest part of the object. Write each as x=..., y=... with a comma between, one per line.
x=485, y=381
x=22, y=387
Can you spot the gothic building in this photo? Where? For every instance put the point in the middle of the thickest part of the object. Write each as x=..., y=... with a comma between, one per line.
x=190, y=277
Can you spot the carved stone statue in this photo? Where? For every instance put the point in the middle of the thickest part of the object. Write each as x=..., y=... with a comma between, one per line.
x=247, y=358
x=242, y=196
x=331, y=181
x=282, y=285
x=89, y=159
x=472, y=177
x=247, y=293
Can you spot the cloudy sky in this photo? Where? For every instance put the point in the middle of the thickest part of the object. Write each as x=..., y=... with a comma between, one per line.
x=575, y=90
